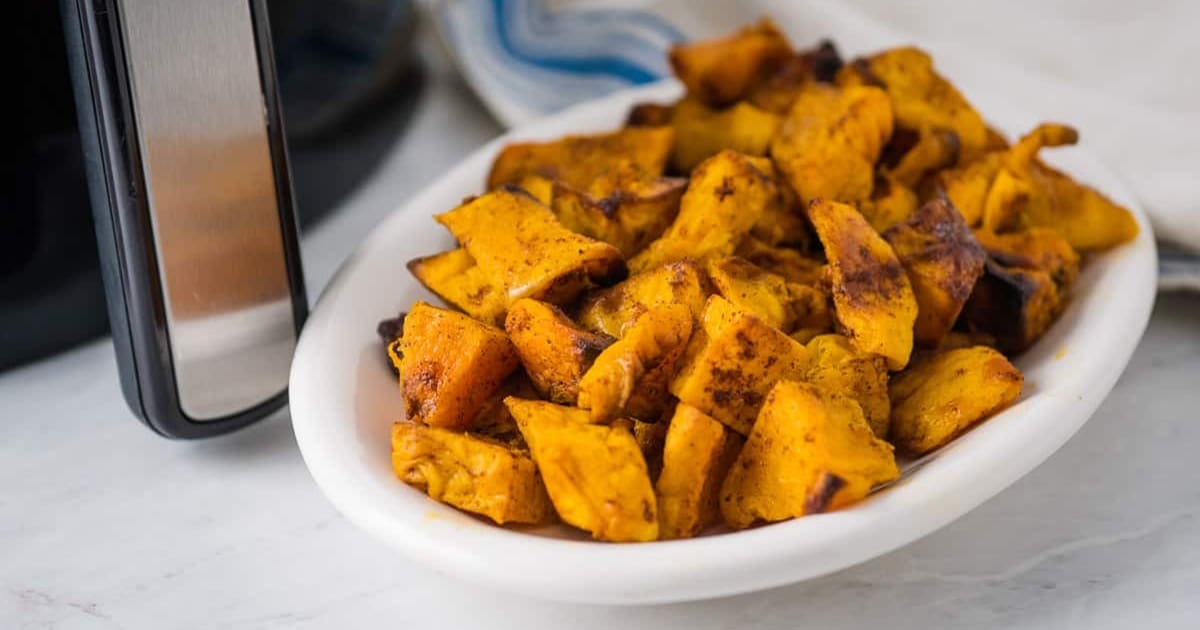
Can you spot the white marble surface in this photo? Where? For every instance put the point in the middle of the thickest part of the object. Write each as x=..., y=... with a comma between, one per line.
x=104, y=525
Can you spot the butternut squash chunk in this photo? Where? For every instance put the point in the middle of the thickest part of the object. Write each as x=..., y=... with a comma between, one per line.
x=595, y=475
x=732, y=362
x=525, y=252
x=578, y=159
x=938, y=398
x=696, y=455
x=837, y=366
x=450, y=365
x=470, y=473
x=721, y=71
x=554, y=350
x=725, y=197
x=872, y=297
x=655, y=336
x=810, y=451
x=829, y=142
x=943, y=260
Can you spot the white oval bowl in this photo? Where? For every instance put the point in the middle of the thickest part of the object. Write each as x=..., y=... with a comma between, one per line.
x=344, y=400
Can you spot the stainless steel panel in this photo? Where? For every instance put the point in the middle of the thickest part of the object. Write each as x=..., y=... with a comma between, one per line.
x=199, y=110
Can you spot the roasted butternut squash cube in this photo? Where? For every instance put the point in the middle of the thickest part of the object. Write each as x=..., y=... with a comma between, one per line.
x=725, y=197
x=829, y=142
x=790, y=263
x=783, y=222
x=1006, y=201
x=652, y=395
x=810, y=451
x=1035, y=248
x=628, y=215
x=470, y=473
x=943, y=261
x=611, y=310
x=577, y=160
x=872, y=297
x=721, y=71
x=554, y=350
x=1012, y=190
x=655, y=336
x=836, y=365
x=455, y=278
x=913, y=154
x=967, y=185
x=782, y=304
x=938, y=398
x=595, y=474
x=1088, y=220
x=701, y=132
x=1014, y=306
x=696, y=455
x=920, y=97
x=450, y=365
x=778, y=90
x=732, y=362
x=524, y=251
x=891, y=203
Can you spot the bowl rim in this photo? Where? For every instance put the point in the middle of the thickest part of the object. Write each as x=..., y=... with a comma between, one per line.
x=949, y=484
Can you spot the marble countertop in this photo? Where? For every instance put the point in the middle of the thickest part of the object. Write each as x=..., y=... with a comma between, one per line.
x=104, y=525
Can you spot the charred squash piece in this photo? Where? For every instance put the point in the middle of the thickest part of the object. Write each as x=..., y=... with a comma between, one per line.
x=554, y=350
x=778, y=90
x=649, y=115
x=1014, y=306
x=1035, y=248
x=943, y=261
x=625, y=214
x=810, y=451
x=872, y=297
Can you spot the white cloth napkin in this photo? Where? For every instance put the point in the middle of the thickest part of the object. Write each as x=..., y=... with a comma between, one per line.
x=1124, y=73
